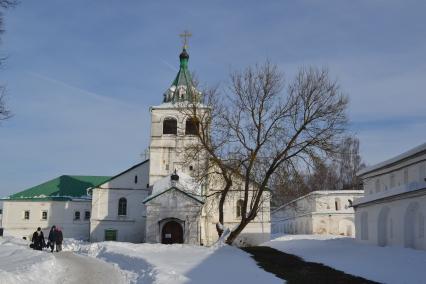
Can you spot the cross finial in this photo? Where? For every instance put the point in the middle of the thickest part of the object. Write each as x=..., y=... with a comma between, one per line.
x=185, y=35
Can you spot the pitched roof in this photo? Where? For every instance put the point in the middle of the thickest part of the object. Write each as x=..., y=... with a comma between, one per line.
x=120, y=174
x=182, y=88
x=185, y=184
x=388, y=163
x=193, y=196
x=61, y=188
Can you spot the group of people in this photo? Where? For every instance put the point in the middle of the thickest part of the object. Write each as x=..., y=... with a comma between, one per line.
x=55, y=238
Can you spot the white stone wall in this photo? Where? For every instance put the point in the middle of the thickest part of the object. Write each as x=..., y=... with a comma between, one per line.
x=135, y=178
x=255, y=233
x=393, y=211
x=319, y=212
x=130, y=228
x=406, y=173
x=167, y=150
x=60, y=213
x=396, y=222
x=173, y=205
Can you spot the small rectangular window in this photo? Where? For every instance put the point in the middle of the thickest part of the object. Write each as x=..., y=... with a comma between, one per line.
x=422, y=173
x=86, y=215
x=77, y=215
x=27, y=215
x=1, y=211
x=392, y=180
x=44, y=215
x=136, y=179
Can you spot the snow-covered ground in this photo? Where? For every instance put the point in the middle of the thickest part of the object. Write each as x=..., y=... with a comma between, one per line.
x=157, y=263
x=381, y=264
x=20, y=264
x=117, y=262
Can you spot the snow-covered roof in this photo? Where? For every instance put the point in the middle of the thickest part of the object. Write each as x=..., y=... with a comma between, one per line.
x=405, y=155
x=185, y=184
x=321, y=192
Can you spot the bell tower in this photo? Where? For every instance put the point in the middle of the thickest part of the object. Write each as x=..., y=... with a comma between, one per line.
x=171, y=130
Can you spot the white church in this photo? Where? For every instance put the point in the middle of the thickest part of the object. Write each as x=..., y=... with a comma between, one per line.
x=155, y=201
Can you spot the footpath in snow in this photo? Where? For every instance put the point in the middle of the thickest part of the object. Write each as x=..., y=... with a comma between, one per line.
x=20, y=264
x=381, y=264
x=157, y=263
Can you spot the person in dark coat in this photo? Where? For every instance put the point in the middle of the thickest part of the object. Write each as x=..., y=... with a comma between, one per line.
x=52, y=238
x=59, y=239
x=38, y=239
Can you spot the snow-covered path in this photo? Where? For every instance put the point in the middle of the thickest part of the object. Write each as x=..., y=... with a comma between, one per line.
x=84, y=269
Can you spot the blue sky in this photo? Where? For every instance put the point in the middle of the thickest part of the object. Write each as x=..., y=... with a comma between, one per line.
x=81, y=75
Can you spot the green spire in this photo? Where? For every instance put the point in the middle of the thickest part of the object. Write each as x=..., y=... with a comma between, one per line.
x=182, y=88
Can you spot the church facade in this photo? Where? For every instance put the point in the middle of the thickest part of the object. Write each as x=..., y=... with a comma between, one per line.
x=158, y=200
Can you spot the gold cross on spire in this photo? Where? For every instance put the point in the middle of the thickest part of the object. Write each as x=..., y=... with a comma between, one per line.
x=185, y=35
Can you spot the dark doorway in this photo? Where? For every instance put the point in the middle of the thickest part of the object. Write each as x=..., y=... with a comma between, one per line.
x=172, y=233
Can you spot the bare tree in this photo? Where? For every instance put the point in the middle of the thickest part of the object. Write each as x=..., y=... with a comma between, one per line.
x=349, y=162
x=4, y=112
x=261, y=124
x=4, y=4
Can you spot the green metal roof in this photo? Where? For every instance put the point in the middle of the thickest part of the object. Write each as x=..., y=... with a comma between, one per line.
x=61, y=188
x=182, y=88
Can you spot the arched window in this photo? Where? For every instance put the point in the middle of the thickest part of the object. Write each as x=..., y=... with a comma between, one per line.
x=239, y=208
x=192, y=126
x=122, y=207
x=170, y=126
x=337, y=204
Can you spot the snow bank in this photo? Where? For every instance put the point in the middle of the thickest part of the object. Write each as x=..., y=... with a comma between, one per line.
x=19, y=264
x=381, y=264
x=157, y=263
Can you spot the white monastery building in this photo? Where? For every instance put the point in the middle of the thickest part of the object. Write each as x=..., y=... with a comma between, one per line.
x=157, y=201
x=393, y=211
x=318, y=212
x=63, y=201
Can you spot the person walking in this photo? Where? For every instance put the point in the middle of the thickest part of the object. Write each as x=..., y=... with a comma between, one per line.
x=59, y=239
x=52, y=238
x=38, y=239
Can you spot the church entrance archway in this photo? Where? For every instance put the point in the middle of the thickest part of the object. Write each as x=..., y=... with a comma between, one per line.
x=172, y=233
x=382, y=227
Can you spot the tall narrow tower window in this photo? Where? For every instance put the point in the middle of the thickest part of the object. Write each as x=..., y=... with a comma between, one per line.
x=192, y=126
x=170, y=126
